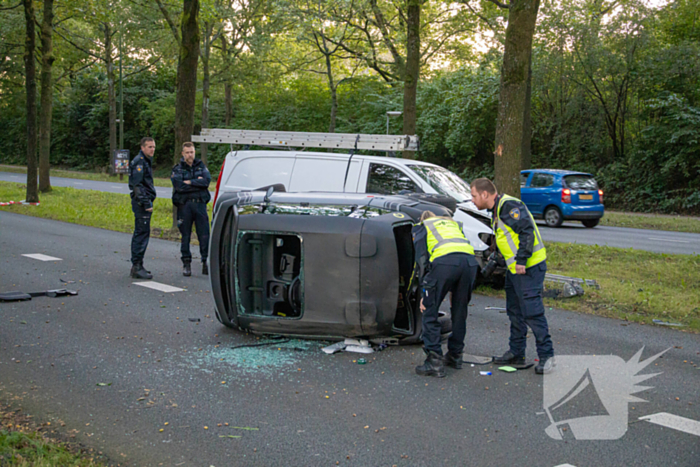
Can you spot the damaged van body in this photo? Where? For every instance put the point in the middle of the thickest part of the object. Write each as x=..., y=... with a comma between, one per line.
x=318, y=265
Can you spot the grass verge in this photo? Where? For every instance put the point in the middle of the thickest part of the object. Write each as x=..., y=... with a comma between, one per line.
x=635, y=285
x=24, y=443
x=98, y=177
x=110, y=211
x=651, y=222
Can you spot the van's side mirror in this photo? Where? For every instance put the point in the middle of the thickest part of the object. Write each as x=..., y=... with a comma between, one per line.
x=269, y=193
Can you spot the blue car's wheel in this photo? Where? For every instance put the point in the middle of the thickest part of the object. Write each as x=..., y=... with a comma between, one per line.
x=590, y=223
x=553, y=217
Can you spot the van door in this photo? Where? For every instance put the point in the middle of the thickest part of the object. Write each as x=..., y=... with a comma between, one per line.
x=319, y=173
x=385, y=179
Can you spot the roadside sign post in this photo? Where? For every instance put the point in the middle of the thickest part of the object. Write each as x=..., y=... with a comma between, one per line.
x=120, y=162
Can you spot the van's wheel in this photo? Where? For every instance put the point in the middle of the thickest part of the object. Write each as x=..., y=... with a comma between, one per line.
x=590, y=223
x=553, y=217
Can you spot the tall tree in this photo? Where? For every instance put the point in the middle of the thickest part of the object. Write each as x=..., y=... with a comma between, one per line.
x=30, y=84
x=47, y=60
x=513, y=130
x=186, y=75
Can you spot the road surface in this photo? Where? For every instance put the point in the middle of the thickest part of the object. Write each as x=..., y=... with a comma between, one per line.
x=129, y=372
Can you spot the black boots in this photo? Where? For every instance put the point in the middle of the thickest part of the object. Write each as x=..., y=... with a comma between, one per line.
x=138, y=272
x=186, y=270
x=205, y=268
x=433, y=366
x=509, y=359
x=545, y=365
x=455, y=361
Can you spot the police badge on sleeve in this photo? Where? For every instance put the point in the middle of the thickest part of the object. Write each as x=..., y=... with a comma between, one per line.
x=515, y=213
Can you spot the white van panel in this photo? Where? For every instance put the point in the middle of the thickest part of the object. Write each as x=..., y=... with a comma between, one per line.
x=314, y=173
x=472, y=228
x=257, y=172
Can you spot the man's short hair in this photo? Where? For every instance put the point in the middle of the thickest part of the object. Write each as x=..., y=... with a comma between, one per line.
x=484, y=184
x=187, y=145
x=146, y=139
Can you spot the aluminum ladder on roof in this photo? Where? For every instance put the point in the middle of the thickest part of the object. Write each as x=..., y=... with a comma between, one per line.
x=308, y=140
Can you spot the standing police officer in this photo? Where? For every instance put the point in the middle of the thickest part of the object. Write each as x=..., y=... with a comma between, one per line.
x=191, y=180
x=519, y=241
x=143, y=193
x=451, y=268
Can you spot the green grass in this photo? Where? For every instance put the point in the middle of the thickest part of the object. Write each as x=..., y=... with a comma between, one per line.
x=98, y=177
x=19, y=449
x=634, y=285
x=651, y=221
x=110, y=211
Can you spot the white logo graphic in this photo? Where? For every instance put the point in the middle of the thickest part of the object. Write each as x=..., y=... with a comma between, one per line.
x=587, y=397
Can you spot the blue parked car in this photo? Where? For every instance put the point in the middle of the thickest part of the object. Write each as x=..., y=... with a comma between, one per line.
x=559, y=195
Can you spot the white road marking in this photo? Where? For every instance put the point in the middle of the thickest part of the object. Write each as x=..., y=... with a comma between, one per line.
x=565, y=465
x=668, y=240
x=41, y=257
x=158, y=286
x=675, y=422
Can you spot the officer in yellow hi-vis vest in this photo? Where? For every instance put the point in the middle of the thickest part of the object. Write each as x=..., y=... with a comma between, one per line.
x=449, y=264
x=519, y=241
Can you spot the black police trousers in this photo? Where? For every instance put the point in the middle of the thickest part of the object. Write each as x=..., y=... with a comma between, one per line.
x=454, y=273
x=142, y=232
x=193, y=212
x=525, y=308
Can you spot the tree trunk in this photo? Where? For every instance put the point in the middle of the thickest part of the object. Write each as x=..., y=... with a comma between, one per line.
x=411, y=74
x=228, y=103
x=206, y=81
x=228, y=99
x=334, y=93
x=527, y=123
x=186, y=79
x=30, y=78
x=512, y=107
x=111, y=95
x=47, y=60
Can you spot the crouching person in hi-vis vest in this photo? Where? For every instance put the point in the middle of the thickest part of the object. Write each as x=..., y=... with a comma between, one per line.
x=519, y=241
x=446, y=263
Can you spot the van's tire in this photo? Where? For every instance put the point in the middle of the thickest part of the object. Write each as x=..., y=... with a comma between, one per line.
x=446, y=201
x=553, y=217
x=590, y=223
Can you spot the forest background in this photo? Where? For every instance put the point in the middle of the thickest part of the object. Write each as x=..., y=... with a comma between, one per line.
x=615, y=83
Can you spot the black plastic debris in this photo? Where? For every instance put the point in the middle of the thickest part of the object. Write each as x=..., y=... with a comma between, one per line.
x=16, y=296
x=195, y=320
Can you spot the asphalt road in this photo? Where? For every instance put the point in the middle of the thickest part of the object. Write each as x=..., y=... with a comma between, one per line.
x=573, y=232
x=299, y=406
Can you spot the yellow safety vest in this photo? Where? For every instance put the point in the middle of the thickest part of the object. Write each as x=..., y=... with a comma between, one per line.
x=445, y=236
x=508, y=241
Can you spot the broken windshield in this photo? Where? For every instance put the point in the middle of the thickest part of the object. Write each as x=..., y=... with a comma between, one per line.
x=444, y=182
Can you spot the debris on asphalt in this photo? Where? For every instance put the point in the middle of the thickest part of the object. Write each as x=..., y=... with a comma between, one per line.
x=387, y=341
x=16, y=296
x=476, y=359
x=361, y=361
x=66, y=282
x=358, y=346
x=496, y=308
x=261, y=344
x=194, y=320
x=104, y=384
x=331, y=349
x=247, y=428
x=485, y=373
x=665, y=323
x=228, y=436
x=507, y=369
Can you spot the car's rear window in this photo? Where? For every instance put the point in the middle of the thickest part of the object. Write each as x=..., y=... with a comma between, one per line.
x=580, y=182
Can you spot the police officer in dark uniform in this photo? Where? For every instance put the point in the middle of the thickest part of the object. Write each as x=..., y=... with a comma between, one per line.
x=143, y=193
x=447, y=258
x=191, y=180
x=519, y=241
